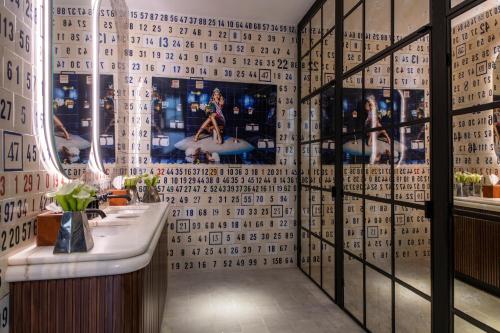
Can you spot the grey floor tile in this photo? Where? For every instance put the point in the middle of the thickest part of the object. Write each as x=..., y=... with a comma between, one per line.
x=265, y=301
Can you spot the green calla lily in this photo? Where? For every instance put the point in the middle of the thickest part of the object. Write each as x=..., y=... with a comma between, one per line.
x=74, y=196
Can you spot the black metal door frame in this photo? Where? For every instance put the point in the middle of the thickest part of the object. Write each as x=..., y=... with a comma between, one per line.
x=439, y=208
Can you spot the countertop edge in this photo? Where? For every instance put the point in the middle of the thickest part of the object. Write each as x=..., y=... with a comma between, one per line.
x=68, y=270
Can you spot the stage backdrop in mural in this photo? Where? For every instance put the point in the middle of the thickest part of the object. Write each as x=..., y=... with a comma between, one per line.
x=197, y=121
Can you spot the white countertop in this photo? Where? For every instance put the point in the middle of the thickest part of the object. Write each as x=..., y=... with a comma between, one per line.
x=119, y=248
x=487, y=204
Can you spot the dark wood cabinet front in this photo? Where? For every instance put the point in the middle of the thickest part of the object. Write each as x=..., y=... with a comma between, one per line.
x=132, y=302
x=477, y=250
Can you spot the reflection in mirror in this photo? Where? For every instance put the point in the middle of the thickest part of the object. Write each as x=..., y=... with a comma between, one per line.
x=316, y=68
x=328, y=15
x=305, y=121
x=456, y=2
x=377, y=26
x=378, y=234
x=328, y=268
x=377, y=113
x=305, y=85
x=353, y=225
x=328, y=216
x=349, y=5
x=352, y=110
x=412, y=249
x=462, y=326
x=352, y=164
x=411, y=104
x=475, y=61
x=305, y=39
x=353, y=286
x=110, y=76
x=304, y=207
x=413, y=313
x=316, y=212
x=353, y=44
x=327, y=134
x=328, y=64
x=476, y=149
x=71, y=99
x=316, y=28
x=304, y=252
x=316, y=164
x=409, y=16
x=305, y=151
x=378, y=302
x=315, y=259
x=315, y=117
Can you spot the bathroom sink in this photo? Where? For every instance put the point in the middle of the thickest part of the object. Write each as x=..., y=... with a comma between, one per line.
x=121, y=209
x=127, y=212
x=118, y=217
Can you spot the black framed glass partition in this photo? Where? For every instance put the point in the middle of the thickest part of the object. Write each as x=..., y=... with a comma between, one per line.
x=475, y=110
x=404, y=93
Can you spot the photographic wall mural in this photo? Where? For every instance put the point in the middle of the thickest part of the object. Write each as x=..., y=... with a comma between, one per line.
x=196, y=121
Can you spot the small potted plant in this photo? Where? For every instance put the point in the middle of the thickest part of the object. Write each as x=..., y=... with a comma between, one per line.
x=130, y=184
x=468, y=184
x=459, y=184
x=74, y=233
x=151, y=193
x=475, y=180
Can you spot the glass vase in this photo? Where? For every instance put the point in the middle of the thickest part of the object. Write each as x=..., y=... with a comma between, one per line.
x=134, y=195
x=477, y=190
x=151, y=195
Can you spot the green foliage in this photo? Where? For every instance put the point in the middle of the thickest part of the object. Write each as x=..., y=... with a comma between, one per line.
x=151, y=181
x=467, y=178
x=74, y=196
x=132, y=181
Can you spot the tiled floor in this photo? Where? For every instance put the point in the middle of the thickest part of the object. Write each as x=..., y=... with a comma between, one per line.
x=265, y=301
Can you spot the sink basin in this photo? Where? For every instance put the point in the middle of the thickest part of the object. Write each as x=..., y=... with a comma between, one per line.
x=126, y=212
x=121, y=209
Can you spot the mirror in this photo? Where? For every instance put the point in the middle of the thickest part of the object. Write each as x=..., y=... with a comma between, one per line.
x=70, y=81
x=110, y=82
x=81, y=115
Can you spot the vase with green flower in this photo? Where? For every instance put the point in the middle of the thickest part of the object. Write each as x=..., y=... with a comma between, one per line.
x=151, y=194
x=74, y=233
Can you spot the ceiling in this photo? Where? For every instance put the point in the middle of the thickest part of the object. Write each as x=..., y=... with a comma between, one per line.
x=268, y=11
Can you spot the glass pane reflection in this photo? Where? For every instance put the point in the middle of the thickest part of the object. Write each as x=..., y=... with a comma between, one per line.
x=304, y=252
x=353, y=286
x=328, y=267
x=378, y=234
x=413, y=248
x=316, y=259
x=378, y=302
x=413, y=313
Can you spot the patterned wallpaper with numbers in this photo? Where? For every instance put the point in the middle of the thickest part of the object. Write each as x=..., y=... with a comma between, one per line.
x=236, y=216
x=23, y=180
